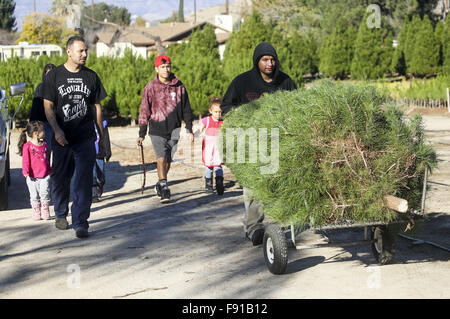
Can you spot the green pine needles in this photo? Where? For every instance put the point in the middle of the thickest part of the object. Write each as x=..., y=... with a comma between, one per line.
x=341, y=150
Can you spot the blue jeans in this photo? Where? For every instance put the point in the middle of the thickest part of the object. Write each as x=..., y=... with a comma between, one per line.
x=75, y=161
x=209, y=170
x=99, y=175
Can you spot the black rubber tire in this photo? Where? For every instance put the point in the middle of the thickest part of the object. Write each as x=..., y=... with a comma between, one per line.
x=384, y=249
x=4, y=192
x=275, y=249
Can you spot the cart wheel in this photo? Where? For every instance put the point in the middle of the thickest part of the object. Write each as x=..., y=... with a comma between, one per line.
x=275, y=249
x=384, y=247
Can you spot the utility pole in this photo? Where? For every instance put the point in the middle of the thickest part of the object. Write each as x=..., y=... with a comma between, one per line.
x=34, y=6
x=195, y=11
x=226, y=8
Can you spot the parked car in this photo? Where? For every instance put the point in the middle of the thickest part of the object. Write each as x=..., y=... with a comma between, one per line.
x=5, y=135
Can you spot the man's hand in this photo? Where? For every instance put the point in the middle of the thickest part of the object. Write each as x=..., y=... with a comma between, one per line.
x=101, y=147
x=139, y=140
x=60, y=137
x=191, y=137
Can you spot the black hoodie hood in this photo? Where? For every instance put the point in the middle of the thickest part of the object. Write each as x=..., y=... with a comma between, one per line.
x=250, y=85
x=265, y=48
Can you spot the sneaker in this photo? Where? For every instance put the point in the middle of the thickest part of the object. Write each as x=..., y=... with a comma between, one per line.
x=219, y=185
x=158, y=189
x=61, y=223
x=95, y=199
x=165, y=195
x=257, y=237
x=82, y=233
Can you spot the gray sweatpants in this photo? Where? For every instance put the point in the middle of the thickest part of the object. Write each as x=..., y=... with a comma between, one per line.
x=253, y=216
x=39, y=189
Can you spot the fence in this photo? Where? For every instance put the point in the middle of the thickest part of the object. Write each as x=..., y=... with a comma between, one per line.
x=423, y=103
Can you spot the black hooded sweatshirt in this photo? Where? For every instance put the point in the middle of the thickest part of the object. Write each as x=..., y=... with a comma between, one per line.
x=250, y=85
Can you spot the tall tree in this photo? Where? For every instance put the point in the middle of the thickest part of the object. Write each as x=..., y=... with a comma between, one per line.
x=7, y=19
x=208, y=79
x=439, y=36
x=181, y=11
x=337, y=52
x=373, y=51
x=425, y=55
x=43, y=28
x=446, y=47
x=398, y=64
x=238, y=54
x=411, y=39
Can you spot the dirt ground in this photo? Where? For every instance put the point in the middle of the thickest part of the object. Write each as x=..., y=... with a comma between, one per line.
x=194, y=247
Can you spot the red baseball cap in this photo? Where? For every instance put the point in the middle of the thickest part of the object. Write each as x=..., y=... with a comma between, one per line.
x=162, y=59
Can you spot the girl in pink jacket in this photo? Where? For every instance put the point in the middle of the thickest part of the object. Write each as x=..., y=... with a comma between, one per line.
x=36, y=168
x=212, y=159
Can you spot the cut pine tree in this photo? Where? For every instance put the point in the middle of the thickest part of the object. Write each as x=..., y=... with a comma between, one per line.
x=339, y=151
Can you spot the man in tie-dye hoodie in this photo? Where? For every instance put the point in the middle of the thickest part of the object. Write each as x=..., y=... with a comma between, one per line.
x=165, y=103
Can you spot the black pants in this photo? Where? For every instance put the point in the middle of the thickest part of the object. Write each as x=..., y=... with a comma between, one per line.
x=75, y=161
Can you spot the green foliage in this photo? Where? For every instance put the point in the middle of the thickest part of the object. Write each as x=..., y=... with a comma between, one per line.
x=398, y=63
x=197, y=65
x=446, y=48
x=337, y=52
x=340, y=152
x=413, y=28
x=425, y=54
x=7, y=19
x=238, y=55
x=124, y=80
x=439, y=36
x=297, y=54
x=181, y=11
x=17, y=70
x=373, y=51
x=433, y=88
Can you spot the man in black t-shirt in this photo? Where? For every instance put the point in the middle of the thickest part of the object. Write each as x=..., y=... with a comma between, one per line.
x=265, y=77
x=72, y=95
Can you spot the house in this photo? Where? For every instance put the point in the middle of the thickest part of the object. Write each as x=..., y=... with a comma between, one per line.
x=27, y=50
x=142, y=42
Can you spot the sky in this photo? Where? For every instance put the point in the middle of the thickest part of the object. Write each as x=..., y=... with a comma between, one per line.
x=149, y=9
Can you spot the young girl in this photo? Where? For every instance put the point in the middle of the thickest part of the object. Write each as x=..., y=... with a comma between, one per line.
x=210, y=150
x=36, y=168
